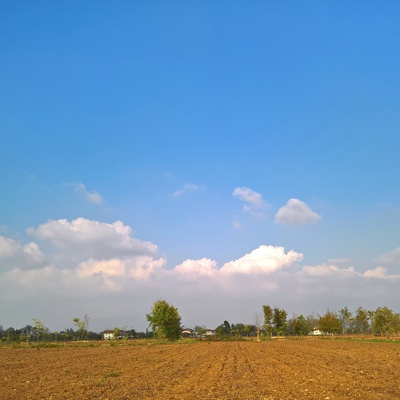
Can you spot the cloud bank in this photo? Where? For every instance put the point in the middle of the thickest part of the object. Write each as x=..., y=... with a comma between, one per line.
x=90, y=267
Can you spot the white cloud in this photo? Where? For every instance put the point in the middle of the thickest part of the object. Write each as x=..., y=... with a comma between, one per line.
x=13, y=254
x=264, y=260
x=192, y=269
x=187, y=188
x=380, y=273
x=327, y=270
x=113, y=267
x=255, y=204
x=296, y=212
x=339, y=261
x=124, y=276
x=33, y=250
x=90, y=195
x=390, y=258
x=145, y=267
x=93, y=239
x=8, y=247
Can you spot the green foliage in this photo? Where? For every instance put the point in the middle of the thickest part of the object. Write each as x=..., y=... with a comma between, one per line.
x=40, y=329
x=385, y=321
x=268, y=315
x=117, y=332
x=300, y=325
x=330, y=322
x=346, y=315
x=165, y=321
x=280, y=322
x=361, y=319
x=83, y=326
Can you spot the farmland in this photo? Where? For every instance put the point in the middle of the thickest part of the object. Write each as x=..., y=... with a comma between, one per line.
x=307, y=368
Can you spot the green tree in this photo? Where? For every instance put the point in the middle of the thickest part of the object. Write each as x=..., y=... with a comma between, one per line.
x=280, y=322
x=83, y=326
x=268, y=316
x=201, y=330
x=246, y=329
x=227, y=327
x=330, y=323
x=224, y=328
x=371, y=315
x=165, y=321
x=300, y=325
x=39, y=328
x=312, y=322
x=386, y=322
x=361, y=319
x=346, y=315
x=117, y=332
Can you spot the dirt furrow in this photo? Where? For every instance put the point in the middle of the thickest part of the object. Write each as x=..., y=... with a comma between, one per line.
x=269, y=370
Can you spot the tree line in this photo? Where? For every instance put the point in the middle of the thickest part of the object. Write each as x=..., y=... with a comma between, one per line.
x=165, y=323
x=39, y=332
x=382, y=321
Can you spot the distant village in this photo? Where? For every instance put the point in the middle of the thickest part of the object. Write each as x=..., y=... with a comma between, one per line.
x=272, y=322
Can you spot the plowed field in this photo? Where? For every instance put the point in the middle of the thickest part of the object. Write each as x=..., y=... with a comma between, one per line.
x=277, y=369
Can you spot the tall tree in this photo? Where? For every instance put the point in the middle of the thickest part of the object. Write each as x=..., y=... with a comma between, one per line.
x=300, y=326
x=386, y=322
x=246, y=329
x=330, y=323
x=361, y=320
x=83, y=326
x=312, y=322
x=165, y=321
x=279, y=320
x=268, y=316
x=371, y=315
x=346, y=315
x=40, y=329
x=117, y=333
x=227, y=327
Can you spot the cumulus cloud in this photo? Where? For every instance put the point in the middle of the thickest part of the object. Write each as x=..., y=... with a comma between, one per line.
x=93, y=239
x=12, y=254
x=113, y=267
x=328, y=270
x=8, y=247
x=390, y=258
x=264, y=260
x=90, y=195
x=296, y=212
x=33, y=251
x=127, y=276
x=187, y=188
x=380, y=273
x=254, y=203
x=192, y=269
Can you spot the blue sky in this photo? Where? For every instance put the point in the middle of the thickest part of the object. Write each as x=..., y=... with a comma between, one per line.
x=214, y=131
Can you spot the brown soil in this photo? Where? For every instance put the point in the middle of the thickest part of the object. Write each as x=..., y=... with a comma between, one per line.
x=278, y=369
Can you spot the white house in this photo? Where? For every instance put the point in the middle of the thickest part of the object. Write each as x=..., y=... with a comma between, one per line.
x=316, y=332
x=110, y=334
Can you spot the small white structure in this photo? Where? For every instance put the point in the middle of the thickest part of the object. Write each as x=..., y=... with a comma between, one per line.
x=108, y=334
x=316, y=332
